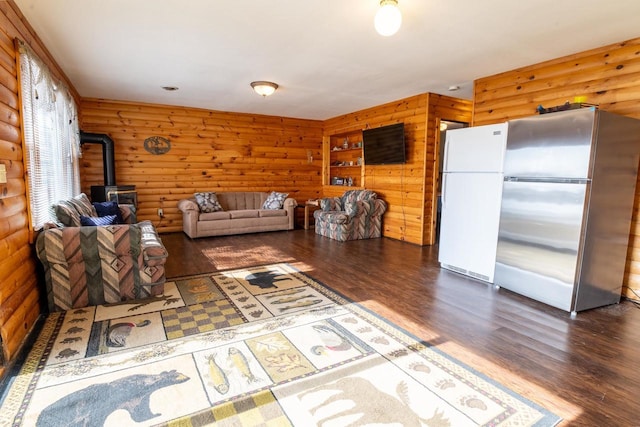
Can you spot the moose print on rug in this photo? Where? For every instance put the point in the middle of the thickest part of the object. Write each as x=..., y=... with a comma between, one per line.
x=130, y=393
x=367, y=400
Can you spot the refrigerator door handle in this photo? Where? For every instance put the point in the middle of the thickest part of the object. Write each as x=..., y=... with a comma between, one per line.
x=546, y=180
x=443, y=198
x=445, y=161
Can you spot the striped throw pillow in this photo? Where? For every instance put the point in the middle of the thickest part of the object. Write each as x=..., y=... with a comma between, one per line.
x=69, y=211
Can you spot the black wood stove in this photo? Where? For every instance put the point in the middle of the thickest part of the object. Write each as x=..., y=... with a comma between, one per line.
x=109, y=192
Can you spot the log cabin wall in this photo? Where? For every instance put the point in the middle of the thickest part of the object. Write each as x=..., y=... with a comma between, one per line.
x=408, y=189
x=608, y=76
x=210, y=151
x=19, y=290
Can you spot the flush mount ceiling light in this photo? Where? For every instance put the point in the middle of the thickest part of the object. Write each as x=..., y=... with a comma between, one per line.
x=170, y=88
x=264, y=88
x=388, y=19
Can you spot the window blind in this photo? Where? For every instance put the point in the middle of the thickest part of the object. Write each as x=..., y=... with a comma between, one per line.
x=51, y=138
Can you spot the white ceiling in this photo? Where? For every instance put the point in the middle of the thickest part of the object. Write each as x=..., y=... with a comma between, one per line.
x=324, y=54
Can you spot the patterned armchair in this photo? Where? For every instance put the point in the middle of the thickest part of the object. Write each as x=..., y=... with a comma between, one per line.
x=92, y=265
x=355, y=215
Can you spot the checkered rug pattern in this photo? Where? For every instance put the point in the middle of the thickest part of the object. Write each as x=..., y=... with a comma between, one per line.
x=260, y=409
x=195, y=319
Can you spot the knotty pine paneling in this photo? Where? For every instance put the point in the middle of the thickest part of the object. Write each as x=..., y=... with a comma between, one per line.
x=19, y=287
x=210, y=151
x=408, y=189
x=608, y=76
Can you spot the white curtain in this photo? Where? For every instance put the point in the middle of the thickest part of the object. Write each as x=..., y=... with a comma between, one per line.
x=51, y=138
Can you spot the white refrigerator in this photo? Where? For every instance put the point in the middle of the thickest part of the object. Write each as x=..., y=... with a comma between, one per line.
x=471, y=195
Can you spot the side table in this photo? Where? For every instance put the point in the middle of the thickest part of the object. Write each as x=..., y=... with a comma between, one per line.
x=307, y=208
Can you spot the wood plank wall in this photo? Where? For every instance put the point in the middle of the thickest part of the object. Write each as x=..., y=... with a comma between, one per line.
x=407, y=189
x=19, y=290
x=211, y=151
x=608, y=76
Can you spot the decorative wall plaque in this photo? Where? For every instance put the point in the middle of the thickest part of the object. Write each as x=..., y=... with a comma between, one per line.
x=157, y=145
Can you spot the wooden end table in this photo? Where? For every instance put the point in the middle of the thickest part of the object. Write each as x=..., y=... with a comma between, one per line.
x=307, y=205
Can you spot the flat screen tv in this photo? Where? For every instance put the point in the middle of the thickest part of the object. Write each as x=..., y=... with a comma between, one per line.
x=384, y=145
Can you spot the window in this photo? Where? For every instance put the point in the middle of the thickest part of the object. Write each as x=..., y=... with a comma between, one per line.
x=51, y=138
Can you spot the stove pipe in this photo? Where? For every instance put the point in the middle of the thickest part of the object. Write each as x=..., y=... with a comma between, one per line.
x=108, y=159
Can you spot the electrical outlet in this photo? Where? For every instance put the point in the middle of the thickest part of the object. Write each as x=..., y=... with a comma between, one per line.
x=161, y=212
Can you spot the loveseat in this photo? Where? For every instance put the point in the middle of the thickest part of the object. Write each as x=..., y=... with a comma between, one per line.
x=357, y=214
x=236, y=213
x=92, y=265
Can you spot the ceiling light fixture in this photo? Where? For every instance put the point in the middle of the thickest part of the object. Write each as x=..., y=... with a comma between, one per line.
x=170, y=88
x=454, y=88
x=264, y=88
x=388, y=19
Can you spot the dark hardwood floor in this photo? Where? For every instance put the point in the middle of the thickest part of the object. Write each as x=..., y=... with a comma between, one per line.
x=585, y=369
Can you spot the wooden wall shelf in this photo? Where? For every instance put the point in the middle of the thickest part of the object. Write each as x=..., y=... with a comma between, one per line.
x=343, y=164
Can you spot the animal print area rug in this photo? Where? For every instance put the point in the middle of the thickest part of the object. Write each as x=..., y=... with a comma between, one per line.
x=264, y=346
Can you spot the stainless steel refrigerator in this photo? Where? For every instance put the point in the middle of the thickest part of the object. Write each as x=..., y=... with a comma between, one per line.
x=567, y=200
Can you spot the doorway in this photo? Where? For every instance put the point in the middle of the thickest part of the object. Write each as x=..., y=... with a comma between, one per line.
x=443, y=127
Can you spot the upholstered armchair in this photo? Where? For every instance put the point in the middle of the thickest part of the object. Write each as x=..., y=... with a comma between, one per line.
x=355, y=215
x=92, y=265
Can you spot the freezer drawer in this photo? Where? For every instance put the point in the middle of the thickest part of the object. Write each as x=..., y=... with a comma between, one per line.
x=469, y=225
x=539, y=240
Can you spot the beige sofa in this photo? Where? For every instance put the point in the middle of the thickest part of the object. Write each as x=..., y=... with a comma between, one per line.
x=242, y=213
